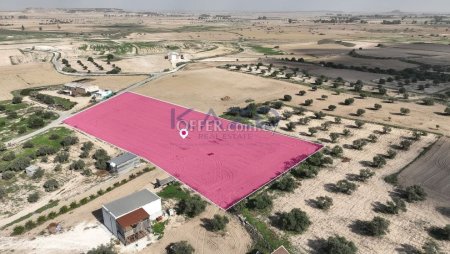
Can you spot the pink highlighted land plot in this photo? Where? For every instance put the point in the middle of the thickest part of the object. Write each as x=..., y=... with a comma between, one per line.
x=224, y=164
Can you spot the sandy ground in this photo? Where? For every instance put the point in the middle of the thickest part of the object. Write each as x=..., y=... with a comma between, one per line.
x=80, y=238
x=406, y=228
x=203, y=89
x=234, y=240
x=28, y=76
x=432, y=171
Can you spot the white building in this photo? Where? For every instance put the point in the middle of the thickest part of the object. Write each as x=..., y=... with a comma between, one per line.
x=130, y=218
x=102, y=94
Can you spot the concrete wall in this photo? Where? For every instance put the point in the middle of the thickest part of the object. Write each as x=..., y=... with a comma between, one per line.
x=109, y=221
x=154, y=209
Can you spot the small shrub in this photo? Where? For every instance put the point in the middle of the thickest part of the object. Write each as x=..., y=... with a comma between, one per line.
x=377, y=227
x=324, y=202
x=360, y=112
x=359, y=124
x=415, y=193
x=346, y=187
x=218, y=223
x=51, y=185
x=365, y=174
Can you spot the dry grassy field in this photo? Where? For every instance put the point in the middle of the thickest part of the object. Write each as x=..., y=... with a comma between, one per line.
x=203, y=89
x=431, y=171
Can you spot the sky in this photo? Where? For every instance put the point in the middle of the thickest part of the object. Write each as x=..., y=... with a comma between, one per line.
x=239, y=5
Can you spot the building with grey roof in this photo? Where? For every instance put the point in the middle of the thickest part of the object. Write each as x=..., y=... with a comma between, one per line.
x=130, y=218
x=123, y=163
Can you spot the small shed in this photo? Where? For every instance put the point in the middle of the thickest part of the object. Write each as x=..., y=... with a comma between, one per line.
x=123, y=162
x=30, y=170
x=165, y=181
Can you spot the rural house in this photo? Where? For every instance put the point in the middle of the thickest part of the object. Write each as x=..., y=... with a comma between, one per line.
x=79, y=89
x=123, y=162
x=130, y=218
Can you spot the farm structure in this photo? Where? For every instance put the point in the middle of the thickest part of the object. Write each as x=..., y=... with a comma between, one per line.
x=79, y=89
x=123, y=163
x=130, y=218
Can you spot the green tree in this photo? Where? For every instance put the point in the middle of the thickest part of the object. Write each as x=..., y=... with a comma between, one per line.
x=386, y=129
x=312, y=131
x=378, y=161
x=331, y=107
x=395, y=206
x=191, y=206
x=324, y=202
x=260, y=202
x=295, y=221
x=365, y=174
x=415, y=193
x=51, y=185
x=286, y=183
x=377, y=106
x=337, y=151
x=359, y=144
x=182, y=247
x=359, y=124
x=404, y=111
x=16, y=100
x=35, y=122
x=33, y=197
x=287, y=97
x=308, y=102
x=405, y=144
x=349, y=101
x=431, y=247
x=218, y=222
x=360, y=112
x=339, y=245
x=334, y=137
x=290, y=126
x=103, y=249
x=346, y=187
x=377, y=227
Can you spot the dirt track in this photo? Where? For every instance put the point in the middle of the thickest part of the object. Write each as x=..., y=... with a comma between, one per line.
x=432, y=171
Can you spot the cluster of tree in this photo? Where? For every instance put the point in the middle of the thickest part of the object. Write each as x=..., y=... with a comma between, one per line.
x=101, y=158
x=82, y=65
x=296, y=221
x=395, y=206
x=286, y=183
x=63, y=103
x=90, y=59
x=67, y=67
x=86, y=148
x=191, y=206
x=378, y=226
x=310, y=168
x=217, y=223
x=260, y=202
x=182, y=247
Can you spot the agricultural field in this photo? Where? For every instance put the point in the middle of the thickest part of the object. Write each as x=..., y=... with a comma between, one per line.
x=372, y=88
